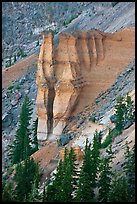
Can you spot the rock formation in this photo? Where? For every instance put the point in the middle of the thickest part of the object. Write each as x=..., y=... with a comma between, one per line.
x=71, y=75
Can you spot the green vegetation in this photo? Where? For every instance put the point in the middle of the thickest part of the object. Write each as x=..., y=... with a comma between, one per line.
x=69, y=20
x=85, y=191
x=124, y=112
x=20, y=182
x=8, y=63
x=105, y=176
x=118, y=192
x=17, y=87
x=10, y=87
x=13, y=87
x=92, y=118
x=69, y=184
x=25, y=179
x=34, y=139
x=21, y=149
x=129, y=168
x=21, y=53
x=112, y=134
x=62, y=186
x=15, y=59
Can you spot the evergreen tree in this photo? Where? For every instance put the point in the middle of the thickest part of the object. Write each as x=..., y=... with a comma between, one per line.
x=120, y=109
x=15, y=58
x=10, y=61
x=130, y=109
x=26, y=177
x=33, y=195
x=129, y=168
x=21, y=149
x=119, y=190
x=69, y=180
x=34, y=139
x=98, y=136
x=124, y=111
x=95, y=156
x=63, y=185
x=54, y=189
x=105, y=176
x=8, y=192
x=85, y=190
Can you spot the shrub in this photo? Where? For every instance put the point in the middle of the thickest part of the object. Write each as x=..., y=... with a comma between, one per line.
x=112, y=134
x=92, y=118
x=10, y=87
x=69, y=20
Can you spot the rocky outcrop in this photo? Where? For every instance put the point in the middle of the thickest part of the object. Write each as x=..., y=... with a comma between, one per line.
x=70, y=76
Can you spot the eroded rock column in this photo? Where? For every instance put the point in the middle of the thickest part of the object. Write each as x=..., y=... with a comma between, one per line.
x=46, y=93
x=66, y=94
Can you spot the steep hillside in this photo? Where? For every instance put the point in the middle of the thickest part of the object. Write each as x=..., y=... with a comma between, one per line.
x=82, y=127
x=22, y=22
x=20, y=78
x=71, y=76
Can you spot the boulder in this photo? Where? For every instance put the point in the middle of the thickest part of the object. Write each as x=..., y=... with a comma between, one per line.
x=64, y=139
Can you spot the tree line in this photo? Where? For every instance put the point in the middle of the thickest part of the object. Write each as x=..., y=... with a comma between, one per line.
x=94, y=181
x=73, y=184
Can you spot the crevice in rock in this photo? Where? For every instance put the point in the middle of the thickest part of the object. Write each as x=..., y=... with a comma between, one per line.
x=51, y=96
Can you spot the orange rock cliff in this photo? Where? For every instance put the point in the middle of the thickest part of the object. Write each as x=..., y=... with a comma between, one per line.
x=71, y=75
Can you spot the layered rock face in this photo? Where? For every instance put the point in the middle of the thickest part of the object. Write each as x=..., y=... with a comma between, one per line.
x=70, y=76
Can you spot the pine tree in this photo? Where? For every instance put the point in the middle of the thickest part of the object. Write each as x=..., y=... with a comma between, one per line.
x=130, y=109
x=85, y=190
x=15, y=59
x=54, y=189
x=21, y=149
x=105, y=176
x=120, y=109
x=95, y=156
x=33, y=195
x=69, y=181
x=119, y=189
x=25, y=179
x=8, y=192
x=34, y=139
x=98, y=136
x=63, y=185
x=129, y=169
